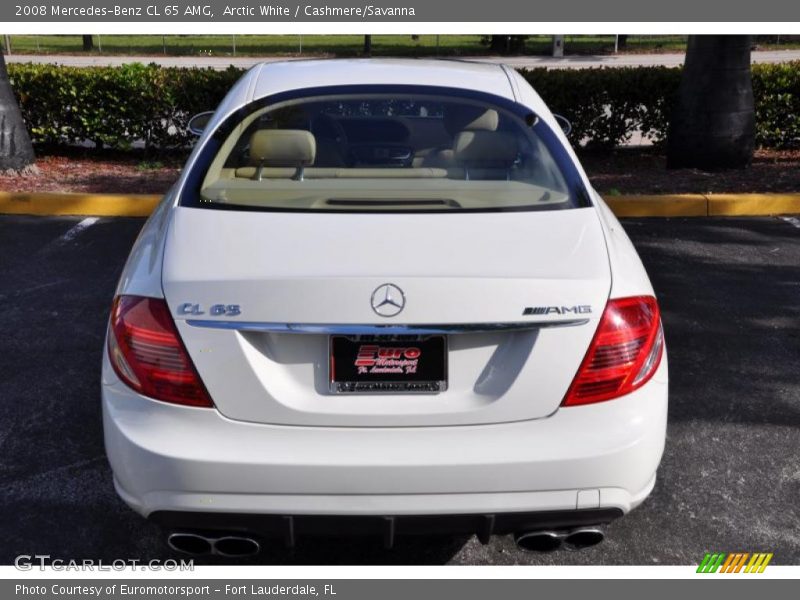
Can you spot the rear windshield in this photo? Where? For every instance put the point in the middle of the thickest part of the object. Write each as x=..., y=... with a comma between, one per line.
x=383, y=152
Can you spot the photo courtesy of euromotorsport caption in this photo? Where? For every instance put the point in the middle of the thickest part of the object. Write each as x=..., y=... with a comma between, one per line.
x=383, y=298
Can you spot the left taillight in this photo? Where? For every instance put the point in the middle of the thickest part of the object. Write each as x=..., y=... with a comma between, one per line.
x=148, y=355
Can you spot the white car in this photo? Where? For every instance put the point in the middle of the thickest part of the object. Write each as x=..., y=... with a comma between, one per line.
x=383, y=298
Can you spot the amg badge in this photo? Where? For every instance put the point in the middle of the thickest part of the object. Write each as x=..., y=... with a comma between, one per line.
x=582, y=309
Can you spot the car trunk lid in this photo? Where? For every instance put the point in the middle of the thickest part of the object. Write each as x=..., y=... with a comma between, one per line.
x=256, y=294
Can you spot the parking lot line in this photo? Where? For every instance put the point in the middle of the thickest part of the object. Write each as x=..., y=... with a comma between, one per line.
x=792, y=221
x=75, y=231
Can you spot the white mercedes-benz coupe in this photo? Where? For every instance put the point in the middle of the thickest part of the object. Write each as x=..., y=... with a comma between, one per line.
x=383, y=298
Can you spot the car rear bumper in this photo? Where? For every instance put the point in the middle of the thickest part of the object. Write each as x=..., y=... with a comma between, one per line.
x=173, y=462
x=291, y=527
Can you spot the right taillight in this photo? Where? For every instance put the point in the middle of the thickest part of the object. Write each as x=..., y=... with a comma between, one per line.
x=148, y=355
x=624, y=354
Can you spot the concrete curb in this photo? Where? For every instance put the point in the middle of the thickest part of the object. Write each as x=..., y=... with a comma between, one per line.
x=58, y=204
x=704, y=205
x=682, y=205
x=667, y=205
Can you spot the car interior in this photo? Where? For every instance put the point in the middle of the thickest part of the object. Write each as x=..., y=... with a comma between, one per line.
x=383, y=153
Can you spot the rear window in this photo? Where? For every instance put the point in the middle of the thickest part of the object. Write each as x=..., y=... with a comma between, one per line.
x=383, y=152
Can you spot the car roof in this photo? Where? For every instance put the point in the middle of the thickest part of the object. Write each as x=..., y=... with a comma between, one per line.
x=276, y=77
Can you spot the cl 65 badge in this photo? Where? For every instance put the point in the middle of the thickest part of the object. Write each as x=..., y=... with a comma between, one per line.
x=216, y=310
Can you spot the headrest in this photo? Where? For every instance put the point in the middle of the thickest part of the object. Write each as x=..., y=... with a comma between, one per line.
x=469, y=118
x=282, y=148
x=485, y=148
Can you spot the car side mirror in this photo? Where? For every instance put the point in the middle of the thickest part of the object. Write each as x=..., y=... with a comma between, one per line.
x=198, y=123
x=565, y=124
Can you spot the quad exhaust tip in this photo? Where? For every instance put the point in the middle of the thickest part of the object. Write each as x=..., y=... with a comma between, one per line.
x=549, y=541
x=238, y=546
x=230, y=546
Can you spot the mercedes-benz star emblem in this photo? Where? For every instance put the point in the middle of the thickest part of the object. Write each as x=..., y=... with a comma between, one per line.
x=388, y=300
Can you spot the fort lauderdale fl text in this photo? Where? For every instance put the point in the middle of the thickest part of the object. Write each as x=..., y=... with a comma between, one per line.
x=323, y=10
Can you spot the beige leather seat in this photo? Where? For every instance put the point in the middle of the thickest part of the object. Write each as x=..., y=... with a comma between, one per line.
x=458, y=120
x=287, y=154
x=484, y=155
x=282, y=149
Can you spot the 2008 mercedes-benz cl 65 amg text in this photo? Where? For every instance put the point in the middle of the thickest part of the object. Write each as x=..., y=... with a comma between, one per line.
x=383, y=298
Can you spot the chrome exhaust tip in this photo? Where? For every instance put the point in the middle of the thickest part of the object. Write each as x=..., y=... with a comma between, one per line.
x=549, y=541
x=538, y=541
x=585, y=537
x=229, y=546
x=190, y=543
x=234, y=546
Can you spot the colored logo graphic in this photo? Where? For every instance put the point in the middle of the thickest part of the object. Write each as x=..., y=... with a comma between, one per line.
x=735, y=562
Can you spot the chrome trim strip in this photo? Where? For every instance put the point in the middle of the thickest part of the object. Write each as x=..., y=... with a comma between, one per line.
x=311, y=328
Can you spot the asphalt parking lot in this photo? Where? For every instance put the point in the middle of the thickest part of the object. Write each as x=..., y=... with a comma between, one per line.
x=729, y=481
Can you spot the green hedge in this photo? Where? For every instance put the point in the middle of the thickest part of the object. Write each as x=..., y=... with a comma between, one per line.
x=777, y=93
x=114, y=106
x=607, y=106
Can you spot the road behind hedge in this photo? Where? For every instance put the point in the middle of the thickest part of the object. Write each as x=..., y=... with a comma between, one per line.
x=571, y=61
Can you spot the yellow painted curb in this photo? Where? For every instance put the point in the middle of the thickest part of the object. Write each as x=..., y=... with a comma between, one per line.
x=704, y=205
x=678, y=205
x=101, y=205
x=752, y=204
x=632, y=205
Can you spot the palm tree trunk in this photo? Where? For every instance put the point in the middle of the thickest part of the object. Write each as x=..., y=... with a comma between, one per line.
x=713, y=121
x=16, y=151
x=88, y=43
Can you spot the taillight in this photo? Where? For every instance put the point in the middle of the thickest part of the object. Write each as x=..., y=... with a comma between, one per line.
x=147, y=353
x=624, y=354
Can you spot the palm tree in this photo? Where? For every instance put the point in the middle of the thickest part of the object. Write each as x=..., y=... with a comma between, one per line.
x=713, y=120
x=16, y=151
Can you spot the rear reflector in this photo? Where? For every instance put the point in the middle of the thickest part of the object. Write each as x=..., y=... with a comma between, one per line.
x=624, y=354
x=147, y=353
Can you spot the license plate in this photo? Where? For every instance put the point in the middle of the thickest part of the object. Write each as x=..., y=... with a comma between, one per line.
x=385, y=365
